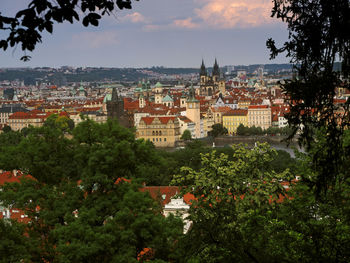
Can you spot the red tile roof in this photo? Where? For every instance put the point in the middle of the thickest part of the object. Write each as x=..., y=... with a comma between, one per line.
x=165, y=193
x=258, y=107
x=163, y=120
x=12, y=177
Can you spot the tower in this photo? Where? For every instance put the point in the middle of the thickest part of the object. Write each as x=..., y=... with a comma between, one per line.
x=193, y=111
x=115, y=109
x=216, y=71
x=142, y=102
x=203, y=73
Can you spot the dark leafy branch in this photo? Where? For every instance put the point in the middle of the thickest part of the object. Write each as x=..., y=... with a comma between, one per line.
x=319, y=36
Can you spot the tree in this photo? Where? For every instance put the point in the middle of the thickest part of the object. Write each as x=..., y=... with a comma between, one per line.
x=318, y=39
x=241, y=130
x=235, y=201
x=6, y=129
x=26, y=27
x=60, y=121
x=186, y=136
x=217, y=130
x=80, y=204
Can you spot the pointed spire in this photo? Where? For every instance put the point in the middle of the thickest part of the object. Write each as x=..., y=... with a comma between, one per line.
x=203, y=71
x=216, y=70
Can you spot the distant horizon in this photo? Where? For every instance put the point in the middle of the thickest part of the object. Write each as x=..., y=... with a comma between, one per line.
x=149, y=67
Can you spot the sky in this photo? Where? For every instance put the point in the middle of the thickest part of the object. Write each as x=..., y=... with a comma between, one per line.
x=169, y=33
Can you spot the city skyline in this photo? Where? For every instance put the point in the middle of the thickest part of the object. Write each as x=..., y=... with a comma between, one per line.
x=159, y=33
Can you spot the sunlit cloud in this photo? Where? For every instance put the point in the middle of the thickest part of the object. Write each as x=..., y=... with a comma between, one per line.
x=185, y=23
x=152, y=28
x=135, y=17
x=95, y=40
x=235, y=13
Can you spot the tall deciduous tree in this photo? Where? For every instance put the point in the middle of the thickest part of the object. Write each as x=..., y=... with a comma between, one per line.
x=318, y=38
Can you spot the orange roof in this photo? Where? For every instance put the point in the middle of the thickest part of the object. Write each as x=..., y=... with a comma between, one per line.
x=165, y=193
x=12, y=177
x=163, y=120
x=258, y=107
x=222, y=109
x=237, y=112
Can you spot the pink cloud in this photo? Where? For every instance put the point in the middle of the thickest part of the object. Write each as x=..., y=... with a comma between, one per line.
x=135, y=17
x=185, y=23
x=235, y=13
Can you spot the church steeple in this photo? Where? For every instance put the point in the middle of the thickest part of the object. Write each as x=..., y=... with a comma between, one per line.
x=216, y=70
x=203, y=71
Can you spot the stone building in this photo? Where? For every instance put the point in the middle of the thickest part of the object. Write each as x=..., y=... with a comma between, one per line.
x=163, y=131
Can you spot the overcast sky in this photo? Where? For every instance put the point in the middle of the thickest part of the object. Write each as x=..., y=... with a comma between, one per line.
x=170, y=33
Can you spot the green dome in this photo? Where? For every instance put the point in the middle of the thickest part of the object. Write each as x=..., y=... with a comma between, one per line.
x=167, y=98
x=158, y=85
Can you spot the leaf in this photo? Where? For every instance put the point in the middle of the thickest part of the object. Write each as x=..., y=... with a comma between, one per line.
x=3, y=44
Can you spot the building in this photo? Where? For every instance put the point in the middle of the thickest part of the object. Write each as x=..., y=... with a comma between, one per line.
x=193, y=112
x=163, y=131
x=19, y=120
x=115, y=108
x=259, y=116
x=8, y=110
x=210, y=85
x=233, y=118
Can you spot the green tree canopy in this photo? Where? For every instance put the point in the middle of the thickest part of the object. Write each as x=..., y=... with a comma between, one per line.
x=186, y=136
x=217, y=130
x=80, y=206
x=235, y=199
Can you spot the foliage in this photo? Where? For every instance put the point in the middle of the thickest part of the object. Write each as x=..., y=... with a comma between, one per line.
x=318, y=38
x=60, y=121
x=81, y=209
x=6, y=129
x=14, y=245
x=26, y=27
x=243, y=130
x=186, y=136
x=235, y=202
x=217, y=130
x=242, y=213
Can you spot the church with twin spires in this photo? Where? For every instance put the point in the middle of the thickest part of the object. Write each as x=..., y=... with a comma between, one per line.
x=211, y=85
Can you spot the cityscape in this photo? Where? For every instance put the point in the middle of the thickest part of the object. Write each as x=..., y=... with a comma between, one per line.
x=188, y=131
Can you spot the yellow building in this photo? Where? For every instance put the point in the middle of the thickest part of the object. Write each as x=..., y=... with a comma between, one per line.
x=162, y=131
x=232, y=119
x=218, y=112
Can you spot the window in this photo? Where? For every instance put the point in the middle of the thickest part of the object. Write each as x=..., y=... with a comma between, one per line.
x=160, y=139
x=165, y=139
